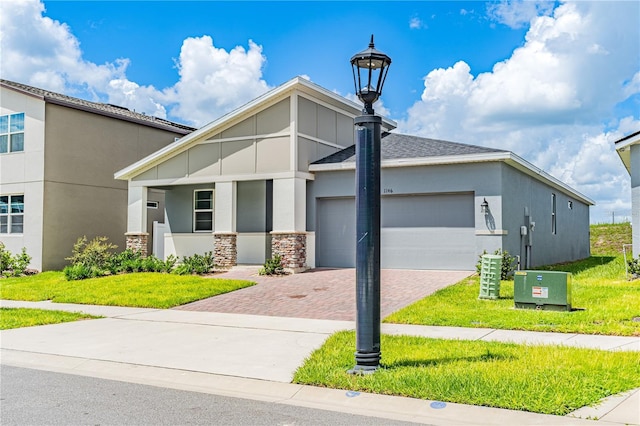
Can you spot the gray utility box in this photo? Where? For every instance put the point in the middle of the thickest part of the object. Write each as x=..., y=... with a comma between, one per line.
x=548, y=290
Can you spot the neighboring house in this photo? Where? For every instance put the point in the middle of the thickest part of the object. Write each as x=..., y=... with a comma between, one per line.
x=57, y=159
x=629, y=151
x=277, y=176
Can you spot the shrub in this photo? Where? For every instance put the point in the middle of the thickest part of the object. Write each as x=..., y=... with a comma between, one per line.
x=272, y=266
x=80, y=271
x=634, y=267
x=5, y=259
x=507, y=267
x=196, y=264
x=13, y=266
x=96, y=253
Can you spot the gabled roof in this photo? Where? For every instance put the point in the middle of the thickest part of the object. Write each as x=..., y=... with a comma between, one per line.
x=396, y=146
x=398, y=150
x=108, y=110
x=297, y=83
x=623, y=146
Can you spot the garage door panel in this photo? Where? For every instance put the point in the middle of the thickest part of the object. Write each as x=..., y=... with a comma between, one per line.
x=441, y=210
x=427, y=248
x=336, y=233
x=418, y=232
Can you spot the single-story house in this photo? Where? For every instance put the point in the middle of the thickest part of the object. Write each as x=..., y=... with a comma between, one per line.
x=58, y=155
x=628, y=149
x=277, y=175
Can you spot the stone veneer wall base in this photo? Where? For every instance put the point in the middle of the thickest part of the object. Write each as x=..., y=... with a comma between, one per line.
x=292, y=247
x=137, y=241
x=225, y=249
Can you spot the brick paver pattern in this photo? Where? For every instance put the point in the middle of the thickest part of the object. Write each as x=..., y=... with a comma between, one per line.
x=322, y=293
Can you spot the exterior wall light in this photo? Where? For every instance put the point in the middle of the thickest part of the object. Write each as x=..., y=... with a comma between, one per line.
x=484, y=207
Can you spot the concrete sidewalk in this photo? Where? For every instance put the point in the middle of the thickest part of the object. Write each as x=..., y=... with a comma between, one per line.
x=216, y=353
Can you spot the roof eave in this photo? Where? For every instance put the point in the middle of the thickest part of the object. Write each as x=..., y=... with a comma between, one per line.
x=296, y=82
x=419, y=161
x=623, y=148
x=503, y=156
x=84, y=108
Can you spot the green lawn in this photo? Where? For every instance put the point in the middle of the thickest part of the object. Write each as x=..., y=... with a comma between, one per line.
x=542, y=379
x=606, y=302
x=146, y=290
x=21, y=317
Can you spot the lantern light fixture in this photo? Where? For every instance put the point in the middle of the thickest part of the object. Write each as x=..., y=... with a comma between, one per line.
x=370, y=68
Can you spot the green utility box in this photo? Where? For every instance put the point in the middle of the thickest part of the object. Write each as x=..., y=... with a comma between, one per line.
x=491, y=266
x=547, y=290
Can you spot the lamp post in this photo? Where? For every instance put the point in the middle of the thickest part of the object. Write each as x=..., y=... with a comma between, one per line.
x=370, y=69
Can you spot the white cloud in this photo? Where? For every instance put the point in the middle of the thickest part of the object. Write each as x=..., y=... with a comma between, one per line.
x=518, y=13
x=547, y=102
x=416, y=23
x=42, y=52
x=214, y=81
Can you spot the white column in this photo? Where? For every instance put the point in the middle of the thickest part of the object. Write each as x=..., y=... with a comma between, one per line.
x=137, y=209
x=224, y=207
x=289, y=205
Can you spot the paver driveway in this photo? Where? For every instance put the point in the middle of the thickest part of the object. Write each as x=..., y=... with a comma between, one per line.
x=322, y=293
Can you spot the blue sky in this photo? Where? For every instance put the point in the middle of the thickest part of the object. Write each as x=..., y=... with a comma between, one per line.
x=554, y=82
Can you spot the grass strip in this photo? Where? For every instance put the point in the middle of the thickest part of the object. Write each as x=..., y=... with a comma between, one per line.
x=541, y=379
x=144, y=290
x=24, y=317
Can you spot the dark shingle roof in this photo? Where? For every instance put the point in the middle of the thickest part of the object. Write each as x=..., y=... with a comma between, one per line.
x=110, y=110
x=396, y=146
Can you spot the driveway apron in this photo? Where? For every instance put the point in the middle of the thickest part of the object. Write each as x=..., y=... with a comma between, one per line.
x=322, y=293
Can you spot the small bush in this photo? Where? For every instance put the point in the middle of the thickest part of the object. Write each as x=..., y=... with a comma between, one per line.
x=95, y=254
x=81, y=272
x=634, y=267
x=272, y=266
x=196, y=264
x=507, y=267
x=13, y=265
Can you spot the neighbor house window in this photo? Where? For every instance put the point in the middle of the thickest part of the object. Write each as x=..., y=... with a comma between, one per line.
x=12, y=133
x=11, y=214
x=553, y=213
x=203, y=210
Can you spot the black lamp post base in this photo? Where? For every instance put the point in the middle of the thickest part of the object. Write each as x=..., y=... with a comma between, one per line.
x=366, y=363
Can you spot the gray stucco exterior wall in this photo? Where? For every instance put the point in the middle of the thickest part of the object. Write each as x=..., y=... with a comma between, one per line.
x=571, y=238
x=82, y=152
x=507, y=190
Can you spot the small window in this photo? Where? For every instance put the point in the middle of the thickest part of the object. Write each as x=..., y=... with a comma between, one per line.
x=11, y=214
x=152, y=204
x=12, y=133
x=553, y=213
x=203, y=210
x=570, y=205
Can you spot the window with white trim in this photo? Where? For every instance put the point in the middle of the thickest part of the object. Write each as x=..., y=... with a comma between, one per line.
x=11, y=214
x=203, y=210
x=12, y=133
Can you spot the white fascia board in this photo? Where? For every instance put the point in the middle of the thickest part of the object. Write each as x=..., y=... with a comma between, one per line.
x=623, y=148
x=223, y=178
x=185, y=142
x=424, y=161
x=504, y=156
x=536, y=172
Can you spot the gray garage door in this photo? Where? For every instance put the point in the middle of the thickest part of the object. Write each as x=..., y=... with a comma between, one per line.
x=418, y=232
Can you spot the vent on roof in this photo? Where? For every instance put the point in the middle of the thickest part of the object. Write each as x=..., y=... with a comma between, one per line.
x=118, y=106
